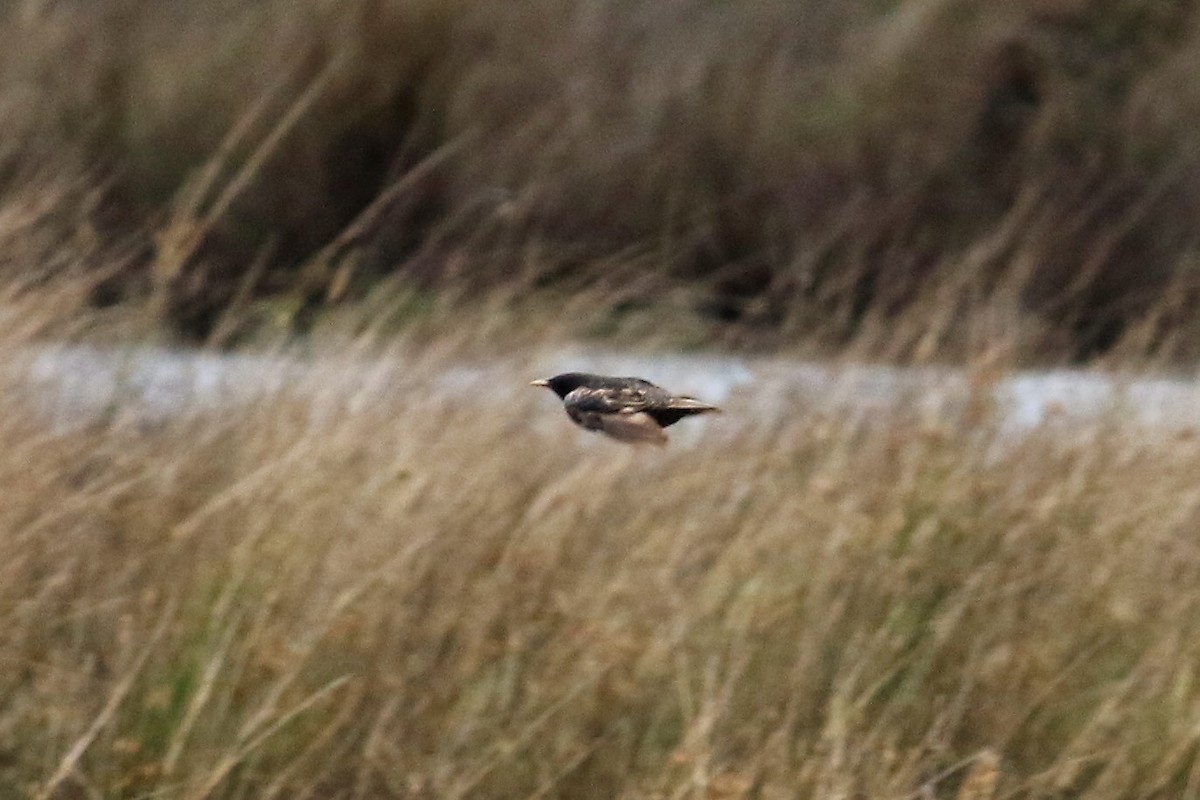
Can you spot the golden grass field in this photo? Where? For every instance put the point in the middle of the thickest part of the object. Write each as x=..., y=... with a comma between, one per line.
x=429, y=601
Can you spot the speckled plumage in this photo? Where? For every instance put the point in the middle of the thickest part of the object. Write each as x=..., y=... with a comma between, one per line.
x=627, y=409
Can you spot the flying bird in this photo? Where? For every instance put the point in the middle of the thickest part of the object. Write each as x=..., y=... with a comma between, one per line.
x=627, y=409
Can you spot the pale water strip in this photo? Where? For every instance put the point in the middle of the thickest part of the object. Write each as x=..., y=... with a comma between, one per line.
x=78, y=385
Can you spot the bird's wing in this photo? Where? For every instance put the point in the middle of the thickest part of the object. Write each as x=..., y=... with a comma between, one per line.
x=650, y=393
x=606, y=400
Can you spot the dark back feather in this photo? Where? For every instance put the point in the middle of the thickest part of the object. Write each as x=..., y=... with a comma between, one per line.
x=564, y=384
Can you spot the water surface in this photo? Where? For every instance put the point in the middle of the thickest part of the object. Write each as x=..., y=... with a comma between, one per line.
x=78, y=385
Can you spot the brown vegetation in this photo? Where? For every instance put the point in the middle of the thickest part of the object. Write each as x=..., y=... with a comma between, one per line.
x=434, y=602
x=427, y=601
x=780, y=172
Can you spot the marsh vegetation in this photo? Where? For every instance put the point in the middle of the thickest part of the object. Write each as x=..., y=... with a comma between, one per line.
x=421, y=600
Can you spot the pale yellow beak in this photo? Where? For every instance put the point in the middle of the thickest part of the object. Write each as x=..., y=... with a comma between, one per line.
x=540, y=382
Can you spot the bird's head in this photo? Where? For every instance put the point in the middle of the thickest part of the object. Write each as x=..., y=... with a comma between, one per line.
x=564, y=384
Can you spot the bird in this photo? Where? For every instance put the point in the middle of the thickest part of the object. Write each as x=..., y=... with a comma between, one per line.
x=629, y=410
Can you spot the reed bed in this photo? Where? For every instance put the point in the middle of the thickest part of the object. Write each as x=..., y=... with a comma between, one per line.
x=438, y=597
x=435, y=600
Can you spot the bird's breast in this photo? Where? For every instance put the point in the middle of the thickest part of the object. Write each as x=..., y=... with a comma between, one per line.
x=586, y=419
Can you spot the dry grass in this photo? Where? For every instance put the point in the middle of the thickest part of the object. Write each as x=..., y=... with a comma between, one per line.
x=767, y=171
x=435, y=602
x=429, y=601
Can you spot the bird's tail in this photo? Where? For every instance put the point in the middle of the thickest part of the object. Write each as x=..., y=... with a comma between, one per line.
x=692, y=406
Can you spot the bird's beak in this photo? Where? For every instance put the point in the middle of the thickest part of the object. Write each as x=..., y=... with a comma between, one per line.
x=540, y=382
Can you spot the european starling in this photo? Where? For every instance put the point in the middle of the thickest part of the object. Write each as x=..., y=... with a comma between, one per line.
x=627, y=409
